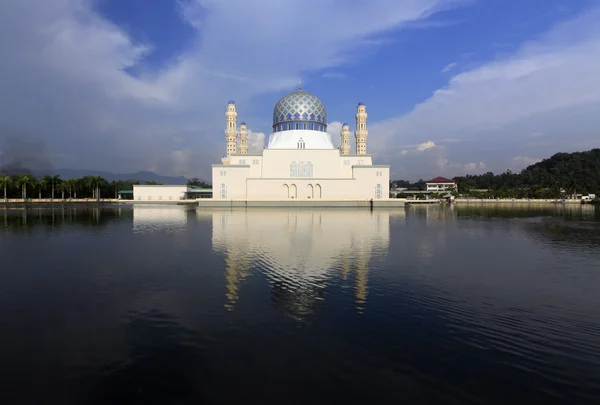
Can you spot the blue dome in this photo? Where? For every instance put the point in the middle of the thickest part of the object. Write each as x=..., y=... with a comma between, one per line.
x=344, y=124
x=300, y=107
x=243, y=123
x=361, y=103
x=231, y=102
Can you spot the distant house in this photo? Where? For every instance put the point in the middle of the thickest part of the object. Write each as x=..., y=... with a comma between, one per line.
x=440, y=184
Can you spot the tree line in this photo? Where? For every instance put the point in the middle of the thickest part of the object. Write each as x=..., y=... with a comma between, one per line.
x=562, y=174
x=26, y=186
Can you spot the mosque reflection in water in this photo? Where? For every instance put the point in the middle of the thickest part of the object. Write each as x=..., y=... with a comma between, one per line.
x=299, y=252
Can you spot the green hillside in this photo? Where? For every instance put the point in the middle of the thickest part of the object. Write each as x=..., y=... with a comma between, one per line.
x=574, y=172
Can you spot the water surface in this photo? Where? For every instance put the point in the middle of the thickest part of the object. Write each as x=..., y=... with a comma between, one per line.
x=173, y=305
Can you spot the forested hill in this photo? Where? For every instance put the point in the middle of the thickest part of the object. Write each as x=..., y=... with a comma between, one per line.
x=578, y=171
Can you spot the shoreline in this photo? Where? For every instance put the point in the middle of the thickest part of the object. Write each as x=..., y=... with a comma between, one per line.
x=58, y=201
x=522, y=201
x=209, y=202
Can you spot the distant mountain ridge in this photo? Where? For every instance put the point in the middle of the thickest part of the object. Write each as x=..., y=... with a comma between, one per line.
x=142, y=176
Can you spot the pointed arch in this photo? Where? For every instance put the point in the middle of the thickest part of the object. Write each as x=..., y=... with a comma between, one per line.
x=311, y=191
x=293, y=191
x=318, y=191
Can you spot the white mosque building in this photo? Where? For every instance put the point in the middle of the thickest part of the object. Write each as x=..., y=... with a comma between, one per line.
x=300, y=162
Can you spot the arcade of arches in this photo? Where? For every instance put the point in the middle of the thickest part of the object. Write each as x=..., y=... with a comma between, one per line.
x=310, y=191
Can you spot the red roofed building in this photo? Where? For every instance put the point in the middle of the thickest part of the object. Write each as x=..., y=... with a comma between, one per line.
x=442, y=184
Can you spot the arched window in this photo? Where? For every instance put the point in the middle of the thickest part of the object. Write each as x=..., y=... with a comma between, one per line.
x=289, y=126
x=312, y=126
x=296, y=125
x=294, y=169
x=309, y=169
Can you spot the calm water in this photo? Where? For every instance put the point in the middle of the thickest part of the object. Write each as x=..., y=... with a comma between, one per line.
x=170, y=305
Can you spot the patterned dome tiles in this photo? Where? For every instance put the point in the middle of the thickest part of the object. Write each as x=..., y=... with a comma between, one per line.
x=299, y=106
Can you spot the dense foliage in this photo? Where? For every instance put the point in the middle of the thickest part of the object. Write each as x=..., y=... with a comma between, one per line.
x=27, y=186
x=572, y=173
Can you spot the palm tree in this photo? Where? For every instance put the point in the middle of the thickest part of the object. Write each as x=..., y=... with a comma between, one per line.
x=5, y=181
x=116, y=186
x=71, y=185
x=62, y=187
x=95, y=182
x=41, y=184
x=22, y=181
x=53, y=181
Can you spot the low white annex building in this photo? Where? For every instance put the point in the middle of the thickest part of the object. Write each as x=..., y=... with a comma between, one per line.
x=157, y=193
x=300, y=161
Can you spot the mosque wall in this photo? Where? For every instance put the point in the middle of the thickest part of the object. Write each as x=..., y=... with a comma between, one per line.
x=286, y=174
x=324, y=163
x=230, y=181
x=373, y=178
x=254, y=161
x=363, y=188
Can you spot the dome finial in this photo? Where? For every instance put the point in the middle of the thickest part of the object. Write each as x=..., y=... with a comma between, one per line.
x=299, y=84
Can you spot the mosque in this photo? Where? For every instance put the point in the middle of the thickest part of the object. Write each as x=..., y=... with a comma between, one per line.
x=300, y=161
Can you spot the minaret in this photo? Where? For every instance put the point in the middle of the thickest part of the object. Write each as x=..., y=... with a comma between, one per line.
x=243, y=139
x=231, y=130
x=361, y=132
x=345, y=134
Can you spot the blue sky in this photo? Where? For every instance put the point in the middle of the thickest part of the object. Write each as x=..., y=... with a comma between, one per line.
x=451, y=87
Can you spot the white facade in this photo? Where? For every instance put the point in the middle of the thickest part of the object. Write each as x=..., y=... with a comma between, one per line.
x=443, y=186
x=300, y=139
x=159, y=193
x=156, y=193
x=301, y=163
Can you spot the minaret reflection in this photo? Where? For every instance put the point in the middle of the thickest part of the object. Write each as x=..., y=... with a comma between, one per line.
x=300, y=252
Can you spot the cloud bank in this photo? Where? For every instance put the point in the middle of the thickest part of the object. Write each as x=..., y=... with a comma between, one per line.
x=67, y=85
x=70, y=83
x=542, y=99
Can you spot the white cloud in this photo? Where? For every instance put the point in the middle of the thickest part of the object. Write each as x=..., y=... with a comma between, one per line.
x=422, y=147
x=449, y=67
x=425, y=145
x=524, y=161
x=68, y=68
x=549, y=86
x=256, y=141
x=334, y=129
